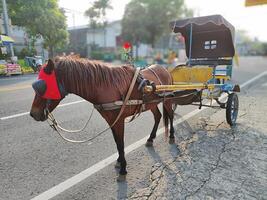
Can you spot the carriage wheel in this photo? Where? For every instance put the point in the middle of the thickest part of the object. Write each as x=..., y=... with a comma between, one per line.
x=232, y=109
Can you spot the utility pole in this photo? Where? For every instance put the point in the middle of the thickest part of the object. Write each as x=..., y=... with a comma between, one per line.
x=6, y=25
x=73, y=13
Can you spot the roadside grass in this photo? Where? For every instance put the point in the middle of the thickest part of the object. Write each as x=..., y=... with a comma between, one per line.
x=25, y=69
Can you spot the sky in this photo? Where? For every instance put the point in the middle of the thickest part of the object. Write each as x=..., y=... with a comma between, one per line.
x=251, y=19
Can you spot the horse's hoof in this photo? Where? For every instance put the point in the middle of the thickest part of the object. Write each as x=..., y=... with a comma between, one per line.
x=171, y=140
x=117, y=165
x=149, y=143
x=121, y=178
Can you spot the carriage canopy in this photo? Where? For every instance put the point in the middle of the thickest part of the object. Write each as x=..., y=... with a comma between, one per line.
x=211, y=37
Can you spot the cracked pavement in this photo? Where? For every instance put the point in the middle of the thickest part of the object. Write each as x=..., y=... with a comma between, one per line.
x=214, y=161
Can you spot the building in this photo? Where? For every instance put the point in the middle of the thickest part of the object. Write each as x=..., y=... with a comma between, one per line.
x=22, y=40
x=83, y=38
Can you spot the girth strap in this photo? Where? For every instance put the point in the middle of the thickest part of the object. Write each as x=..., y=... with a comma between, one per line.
x=117, y=104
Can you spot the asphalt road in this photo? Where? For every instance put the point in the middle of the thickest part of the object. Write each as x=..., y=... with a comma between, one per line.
x=34, y=159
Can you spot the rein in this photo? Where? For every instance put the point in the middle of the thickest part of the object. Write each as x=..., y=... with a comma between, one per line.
x=57, y=128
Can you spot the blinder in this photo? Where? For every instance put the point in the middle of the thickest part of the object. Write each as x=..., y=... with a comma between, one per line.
x=48, y=87
x=39, y=87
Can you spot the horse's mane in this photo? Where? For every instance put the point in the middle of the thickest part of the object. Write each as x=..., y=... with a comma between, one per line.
x=85, y=75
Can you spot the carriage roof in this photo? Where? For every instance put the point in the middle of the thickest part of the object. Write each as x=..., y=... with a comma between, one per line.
x=212, y=36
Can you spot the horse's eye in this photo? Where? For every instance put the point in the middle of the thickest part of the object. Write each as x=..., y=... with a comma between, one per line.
x=39, y=87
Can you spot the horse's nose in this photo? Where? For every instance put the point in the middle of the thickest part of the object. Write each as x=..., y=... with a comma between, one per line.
x=35, y=116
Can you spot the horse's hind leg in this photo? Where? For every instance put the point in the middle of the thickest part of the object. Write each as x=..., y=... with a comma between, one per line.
x=157, y=117
x=118, y=134
x=167, y=108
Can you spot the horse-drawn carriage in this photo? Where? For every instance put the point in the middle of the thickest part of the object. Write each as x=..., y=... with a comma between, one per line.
x=209, y=45
x=120, y=92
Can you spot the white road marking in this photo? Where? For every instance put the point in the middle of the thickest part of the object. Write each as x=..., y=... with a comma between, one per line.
x=27, y=113
x=14, y=116
x=61, y=187
x=253, y=79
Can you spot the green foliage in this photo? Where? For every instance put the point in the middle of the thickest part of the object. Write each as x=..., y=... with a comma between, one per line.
x=264, y=48
x=24, y=67
x=41, y=18
x=133, y=27
x=97, y=15
x=146, y=20
x=3, y=69
x=26, y=52
x=97, y=55
x=102, y=5
x=97, y=12
x=93, y=16
x=22, y=63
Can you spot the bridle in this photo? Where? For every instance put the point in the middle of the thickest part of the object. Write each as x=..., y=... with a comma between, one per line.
x=55, y=126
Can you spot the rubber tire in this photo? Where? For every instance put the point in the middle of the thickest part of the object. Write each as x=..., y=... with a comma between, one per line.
x=232, y=101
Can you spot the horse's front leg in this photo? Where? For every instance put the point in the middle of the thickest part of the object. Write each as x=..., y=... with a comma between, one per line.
x=118, y=134
x=157, y=117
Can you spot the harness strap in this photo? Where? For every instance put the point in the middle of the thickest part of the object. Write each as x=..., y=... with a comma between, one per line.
x=117, y=104
x=155, y=74
x=127, y=96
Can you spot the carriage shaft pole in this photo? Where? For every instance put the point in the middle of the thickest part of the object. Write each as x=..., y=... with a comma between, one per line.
x=162, y=88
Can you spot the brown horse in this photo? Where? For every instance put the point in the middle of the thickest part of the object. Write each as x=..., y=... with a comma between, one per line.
x=99, y=83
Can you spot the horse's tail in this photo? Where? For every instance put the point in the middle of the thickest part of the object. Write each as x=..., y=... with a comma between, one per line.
x=165, y=120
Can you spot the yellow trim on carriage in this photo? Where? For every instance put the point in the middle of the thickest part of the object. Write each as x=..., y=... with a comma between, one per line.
x=199, y=74
x=162, y=88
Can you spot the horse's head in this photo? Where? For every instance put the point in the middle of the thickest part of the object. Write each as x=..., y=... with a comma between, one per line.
x=49, y=92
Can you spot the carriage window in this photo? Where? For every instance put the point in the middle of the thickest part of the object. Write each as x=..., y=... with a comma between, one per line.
x=207, y=45
x=210, y=44
x=213, y=44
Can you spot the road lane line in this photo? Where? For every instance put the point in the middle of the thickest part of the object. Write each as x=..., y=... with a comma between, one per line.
x=253, y=79
x=71, y=103
x=8, y=89
x=14, y=116
x=27, y=113
x=63, y=186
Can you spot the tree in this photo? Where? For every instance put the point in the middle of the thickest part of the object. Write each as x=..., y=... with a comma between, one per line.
x=133, y=27
x=264, y=47
x=40, y=18
x=93, y=16
x=102, y=6
x=152, y=17
x=97, y=15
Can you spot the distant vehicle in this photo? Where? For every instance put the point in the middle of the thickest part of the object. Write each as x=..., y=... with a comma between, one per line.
x=34, y=62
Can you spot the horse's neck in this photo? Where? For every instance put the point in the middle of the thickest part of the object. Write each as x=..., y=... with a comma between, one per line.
x=94, y=93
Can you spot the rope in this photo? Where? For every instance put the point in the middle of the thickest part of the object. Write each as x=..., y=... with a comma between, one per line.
x=52, y=118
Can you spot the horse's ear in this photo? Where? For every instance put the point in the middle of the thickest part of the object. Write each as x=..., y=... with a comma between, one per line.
x=49, y=67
